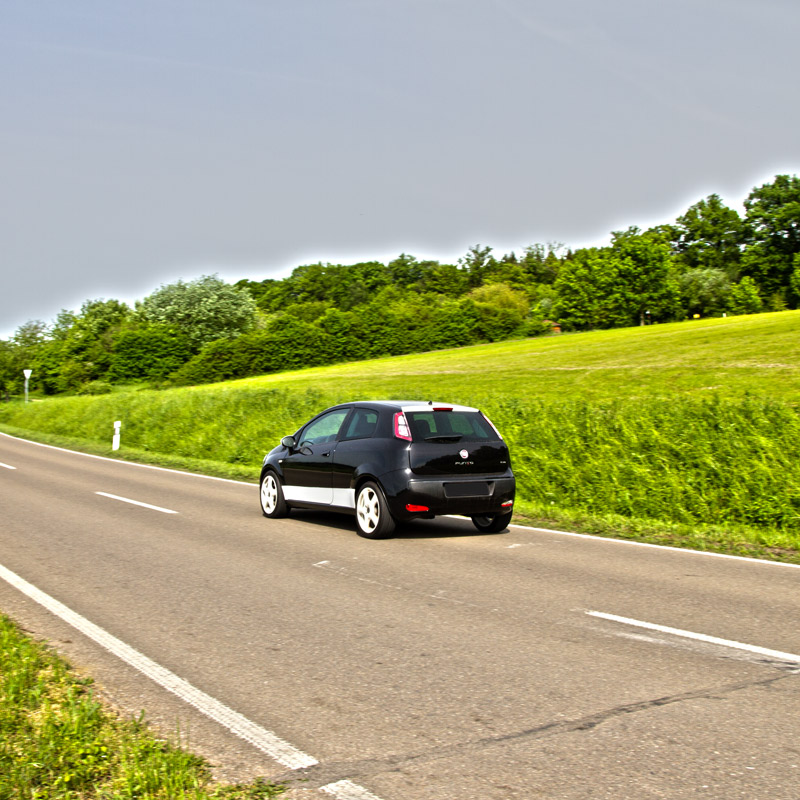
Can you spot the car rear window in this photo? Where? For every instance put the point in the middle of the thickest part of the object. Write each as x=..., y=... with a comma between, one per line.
x=466, y=426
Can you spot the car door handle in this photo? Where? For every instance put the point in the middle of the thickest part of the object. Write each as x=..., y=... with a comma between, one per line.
x=326, y=453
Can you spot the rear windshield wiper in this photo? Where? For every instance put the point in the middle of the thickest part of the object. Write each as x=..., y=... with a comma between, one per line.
x=444, y=437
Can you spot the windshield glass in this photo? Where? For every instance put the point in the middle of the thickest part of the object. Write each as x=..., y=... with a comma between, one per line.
x=462, y=426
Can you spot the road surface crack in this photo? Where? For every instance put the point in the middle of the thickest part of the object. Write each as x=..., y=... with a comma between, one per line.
x=331, y=771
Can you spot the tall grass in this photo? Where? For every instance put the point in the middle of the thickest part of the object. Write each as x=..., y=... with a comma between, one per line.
x=711, y=460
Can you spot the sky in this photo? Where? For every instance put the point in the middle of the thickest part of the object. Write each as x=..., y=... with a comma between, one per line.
x=150, y=141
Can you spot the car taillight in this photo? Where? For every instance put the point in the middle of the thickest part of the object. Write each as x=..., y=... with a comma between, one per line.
x=499, y=435
x=415, y=509
x=401, y=430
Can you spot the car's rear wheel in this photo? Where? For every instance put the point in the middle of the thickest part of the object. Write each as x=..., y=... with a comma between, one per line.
x=273, y=503
x=373, y=519
x=491, y=523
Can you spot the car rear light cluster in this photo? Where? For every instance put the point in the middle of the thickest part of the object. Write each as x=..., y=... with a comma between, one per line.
x=415, y=509
x=507, y=503
x=401, y=429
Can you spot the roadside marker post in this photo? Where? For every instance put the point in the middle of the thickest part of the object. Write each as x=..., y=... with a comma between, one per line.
x=27, y=373
x=115, y=440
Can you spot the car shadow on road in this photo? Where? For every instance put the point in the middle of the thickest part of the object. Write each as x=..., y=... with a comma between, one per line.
x=438, y=528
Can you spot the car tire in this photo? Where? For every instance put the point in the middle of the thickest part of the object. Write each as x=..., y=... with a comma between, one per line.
x=373, y=520
x=491, y=523
x=273, y=503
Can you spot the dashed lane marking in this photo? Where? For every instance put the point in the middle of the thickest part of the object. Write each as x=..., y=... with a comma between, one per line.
x=137, y=503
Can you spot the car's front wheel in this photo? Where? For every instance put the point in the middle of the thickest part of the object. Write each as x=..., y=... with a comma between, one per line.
x=373, y=519
x=273, y=503
x=491, y=523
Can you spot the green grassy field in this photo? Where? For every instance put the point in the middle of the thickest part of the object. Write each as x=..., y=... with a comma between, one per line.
x=684, y=433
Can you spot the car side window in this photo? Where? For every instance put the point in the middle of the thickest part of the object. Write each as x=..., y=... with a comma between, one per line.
x=325, y=429
x=362, y=424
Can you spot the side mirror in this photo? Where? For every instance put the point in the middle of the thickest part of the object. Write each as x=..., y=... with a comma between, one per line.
x=288, y=441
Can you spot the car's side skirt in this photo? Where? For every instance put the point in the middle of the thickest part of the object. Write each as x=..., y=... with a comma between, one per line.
x=343, y=498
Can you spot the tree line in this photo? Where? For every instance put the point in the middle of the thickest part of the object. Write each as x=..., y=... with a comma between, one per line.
x=710, y=261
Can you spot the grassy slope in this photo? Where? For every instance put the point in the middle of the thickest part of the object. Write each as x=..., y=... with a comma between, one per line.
x=731, y=356
x=593, y=419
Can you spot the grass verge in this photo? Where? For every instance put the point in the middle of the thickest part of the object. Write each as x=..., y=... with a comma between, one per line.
x=57, y=742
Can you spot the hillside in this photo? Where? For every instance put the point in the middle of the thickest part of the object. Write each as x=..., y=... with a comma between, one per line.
x=732, y=356
x=687, y=432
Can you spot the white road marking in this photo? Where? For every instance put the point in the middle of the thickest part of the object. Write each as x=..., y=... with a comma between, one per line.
x=630, y=542
x=346, y=790
x=276, y=748
x=700, y=637
x=136, y=503
x=264, y=740
x=130, y=463
x=6, y=466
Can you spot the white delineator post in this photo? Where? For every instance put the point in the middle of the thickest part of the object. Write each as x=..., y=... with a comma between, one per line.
x=115, y=440
x=27, y=374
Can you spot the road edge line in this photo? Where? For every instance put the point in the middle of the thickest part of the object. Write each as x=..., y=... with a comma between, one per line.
x=125, y=461
x=266, y=741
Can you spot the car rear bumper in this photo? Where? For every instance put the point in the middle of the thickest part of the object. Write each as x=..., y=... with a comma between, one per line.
x=477, y=494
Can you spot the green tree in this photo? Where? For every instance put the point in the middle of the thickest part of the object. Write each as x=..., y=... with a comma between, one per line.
x=477, y=262
x=647, y=271
x=589, y=291
x=710, y=236
x=10, y=374
x=744, y=297
x=624, y=284
x=500, y=311
x=204, y=309
x=148, y=351
x=542, y=262
x=704, y=291
x=773, y=220
x=445, y=279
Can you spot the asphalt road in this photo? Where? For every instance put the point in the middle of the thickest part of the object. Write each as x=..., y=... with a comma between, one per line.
x=440, y=664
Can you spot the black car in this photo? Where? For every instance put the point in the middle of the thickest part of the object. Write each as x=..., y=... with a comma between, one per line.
x=388, y=461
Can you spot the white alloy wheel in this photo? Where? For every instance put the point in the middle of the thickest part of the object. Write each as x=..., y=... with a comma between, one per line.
x=269, y=494
x=372, y=516
x=272, y=502
x=369, y=509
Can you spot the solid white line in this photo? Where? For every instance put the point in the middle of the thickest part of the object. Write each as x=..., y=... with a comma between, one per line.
x=136, y=503
x=701, y=637
x=630, y=542
x=131, y=463
x=264, y=740
x=6, y=466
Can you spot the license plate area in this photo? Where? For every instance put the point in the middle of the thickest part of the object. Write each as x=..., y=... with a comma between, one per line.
x=468, y=489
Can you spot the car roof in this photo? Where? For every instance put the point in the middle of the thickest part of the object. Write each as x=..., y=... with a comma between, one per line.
x=408, y=405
